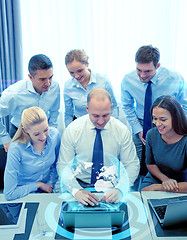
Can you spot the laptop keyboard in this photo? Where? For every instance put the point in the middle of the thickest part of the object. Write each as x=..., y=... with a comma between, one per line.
x=161, y=211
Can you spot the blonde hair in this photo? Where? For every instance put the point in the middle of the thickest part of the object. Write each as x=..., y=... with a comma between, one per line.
x=78, y=55
x=30, y=117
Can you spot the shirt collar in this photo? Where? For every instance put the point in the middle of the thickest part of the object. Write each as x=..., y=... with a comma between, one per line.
x=155, y=78
x=92, y=126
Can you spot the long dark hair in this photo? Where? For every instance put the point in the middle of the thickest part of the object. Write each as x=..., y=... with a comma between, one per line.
x=179, y=120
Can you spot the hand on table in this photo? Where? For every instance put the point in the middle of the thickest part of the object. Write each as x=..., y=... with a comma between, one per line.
x=170, y=185
x=45, y=187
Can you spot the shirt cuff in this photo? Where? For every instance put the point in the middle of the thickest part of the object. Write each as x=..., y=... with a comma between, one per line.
x=74, y=191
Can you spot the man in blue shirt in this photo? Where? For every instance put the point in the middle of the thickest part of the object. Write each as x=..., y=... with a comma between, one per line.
x=39, y=90
x=134, y=84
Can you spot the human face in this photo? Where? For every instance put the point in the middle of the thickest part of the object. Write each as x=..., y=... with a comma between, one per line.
x=163, y=121
x=41, y=81
x=38, y=133
x=79, y=71
x=99, y=112
x=146, y=71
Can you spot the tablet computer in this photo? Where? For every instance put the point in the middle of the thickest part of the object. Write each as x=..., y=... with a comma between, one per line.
x=10, y=214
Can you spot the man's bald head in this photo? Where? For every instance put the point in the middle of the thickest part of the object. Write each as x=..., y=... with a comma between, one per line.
x=98, y=94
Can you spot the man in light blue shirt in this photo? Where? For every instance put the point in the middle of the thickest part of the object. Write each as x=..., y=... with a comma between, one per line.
x=134, y=84
x=39, y=90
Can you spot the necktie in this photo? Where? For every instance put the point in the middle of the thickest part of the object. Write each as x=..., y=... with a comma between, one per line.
x=147, y=110
x=97, y=158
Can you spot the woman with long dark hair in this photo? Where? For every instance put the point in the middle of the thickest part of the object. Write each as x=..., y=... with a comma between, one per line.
x=166, y=147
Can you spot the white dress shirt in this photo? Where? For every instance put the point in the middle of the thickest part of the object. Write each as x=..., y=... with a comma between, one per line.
x=78, y=140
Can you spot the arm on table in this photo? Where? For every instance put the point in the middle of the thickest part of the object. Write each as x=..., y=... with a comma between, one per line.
x=182, y=188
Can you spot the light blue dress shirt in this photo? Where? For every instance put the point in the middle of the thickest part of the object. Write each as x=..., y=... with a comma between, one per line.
x=25, y=166
x=22, y=95
x=75, y=96
x=165, y=82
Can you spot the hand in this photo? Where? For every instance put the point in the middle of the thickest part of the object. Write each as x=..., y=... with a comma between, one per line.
x=86, y=197
x=170, y=185
x=113, y=196
x=6, y=146
x=140, y=134
x=45, y=187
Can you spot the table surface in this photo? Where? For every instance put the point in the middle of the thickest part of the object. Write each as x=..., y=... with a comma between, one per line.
x=47, y=216
x=45, y=223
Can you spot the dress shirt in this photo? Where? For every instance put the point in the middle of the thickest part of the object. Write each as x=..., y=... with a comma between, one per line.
x=75, y=96
x=25, y=166
x=78, y=140
x=165, y=82
x=22, y=95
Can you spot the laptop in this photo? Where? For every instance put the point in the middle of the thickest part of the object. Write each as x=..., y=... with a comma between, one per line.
x=170, y=211
x=10, y=214
x=103, y=215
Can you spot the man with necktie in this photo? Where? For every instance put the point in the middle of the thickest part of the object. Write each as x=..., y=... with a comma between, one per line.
x=92, y=137
x=142, y=86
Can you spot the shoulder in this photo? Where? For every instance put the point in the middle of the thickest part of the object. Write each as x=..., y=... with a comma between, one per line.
x=162, y=71
x=16, y=148
x=77, y=126
x=53, y=132
x=17, y=87
x=70, y=83
x=185, y=141
x=117, y=126
x=99, y=76
x=152, y=134
x=130, y=76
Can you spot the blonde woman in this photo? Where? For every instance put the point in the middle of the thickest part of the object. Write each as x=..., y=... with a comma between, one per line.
x=82, y=82
x=32, y=156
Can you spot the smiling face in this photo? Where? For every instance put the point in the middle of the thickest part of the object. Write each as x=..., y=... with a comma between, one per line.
x=38, y=132
x=163, y=120
x=79, y=71
x=146, y=71
x=99, y=111
x=42, y=79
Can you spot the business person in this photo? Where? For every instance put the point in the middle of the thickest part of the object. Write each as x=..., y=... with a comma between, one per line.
x=32, y=156
x=78, y=140
x=133, y=89
x=82, y=82
x=166, y=147
x=39, y=90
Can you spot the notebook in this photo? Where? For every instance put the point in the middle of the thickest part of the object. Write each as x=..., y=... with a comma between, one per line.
x=104, y=215
x=10, y=214
x=170, y=211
